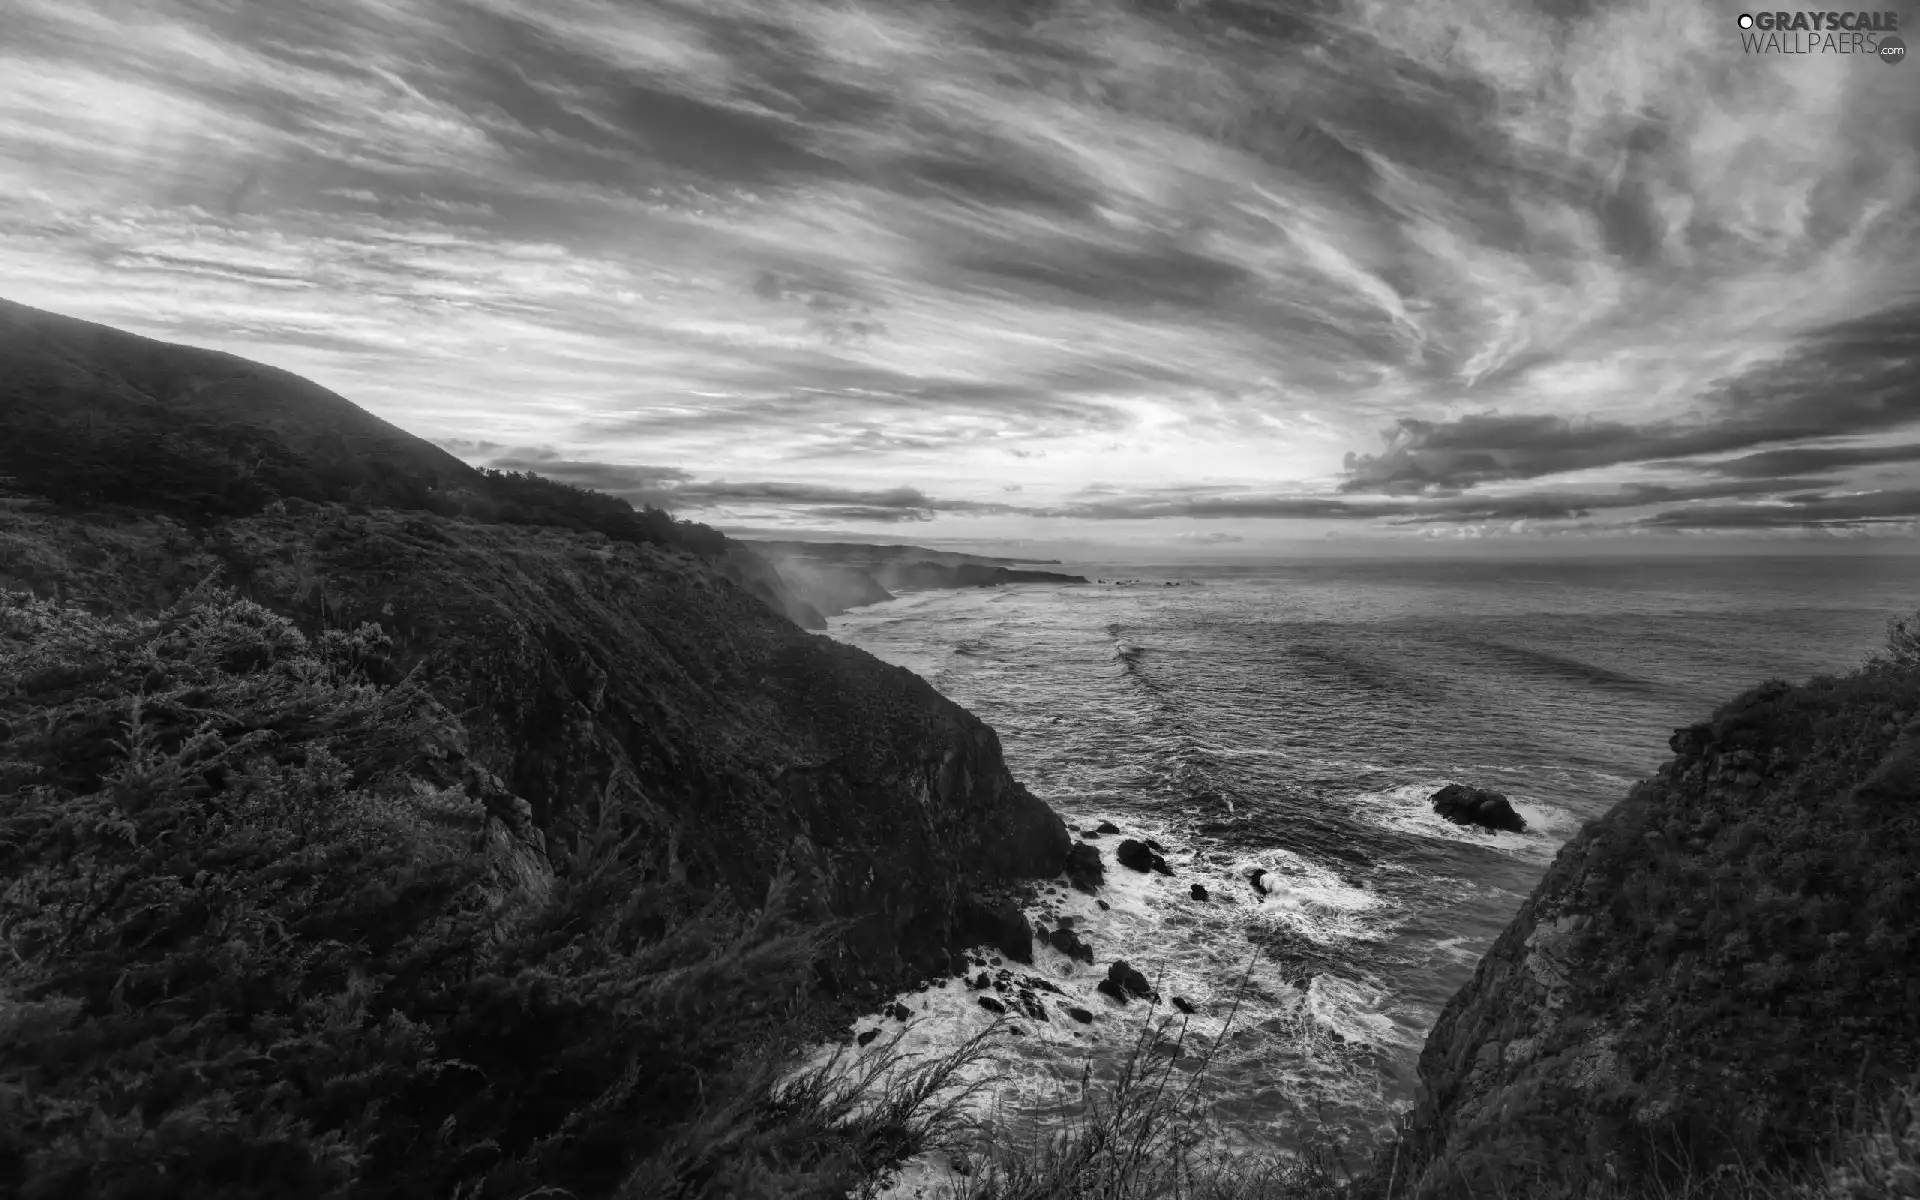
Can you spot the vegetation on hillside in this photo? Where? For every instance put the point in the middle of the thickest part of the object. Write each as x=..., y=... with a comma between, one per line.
x=201, y=471
x=258, y=936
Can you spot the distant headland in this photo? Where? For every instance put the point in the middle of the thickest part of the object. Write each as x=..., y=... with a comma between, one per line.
x=834, y=577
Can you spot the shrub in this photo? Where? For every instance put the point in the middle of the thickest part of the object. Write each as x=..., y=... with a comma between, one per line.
x=255, y=939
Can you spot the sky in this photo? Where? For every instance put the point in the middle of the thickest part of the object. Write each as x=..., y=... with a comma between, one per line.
x=1216, y=275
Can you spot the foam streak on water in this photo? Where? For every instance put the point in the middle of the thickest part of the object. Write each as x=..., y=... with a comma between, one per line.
x=1295, y=719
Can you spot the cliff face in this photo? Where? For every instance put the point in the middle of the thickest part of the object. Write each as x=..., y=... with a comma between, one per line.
x=1706, y=974
x=596, y=656
x=590, y=674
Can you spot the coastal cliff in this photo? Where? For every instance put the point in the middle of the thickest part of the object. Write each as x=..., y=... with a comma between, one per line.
x=1713, y=974
x=391, y=827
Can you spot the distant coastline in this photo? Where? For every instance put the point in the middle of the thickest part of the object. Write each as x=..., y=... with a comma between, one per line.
x=836, y=577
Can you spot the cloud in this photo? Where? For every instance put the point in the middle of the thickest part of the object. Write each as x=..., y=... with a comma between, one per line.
x=1852, y=378
x=1802, y=459
x=1895, y=506
x=911, y=261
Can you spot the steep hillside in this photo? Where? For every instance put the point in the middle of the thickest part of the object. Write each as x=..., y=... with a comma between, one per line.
x=95, y=417
x=463, y=814
x=1712, y=974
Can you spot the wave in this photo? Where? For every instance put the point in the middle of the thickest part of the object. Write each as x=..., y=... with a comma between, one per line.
x=1541, y=662
x=1371, y=675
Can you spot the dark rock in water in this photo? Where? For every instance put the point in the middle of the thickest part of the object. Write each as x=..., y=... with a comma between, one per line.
x=1069, y=943
x=1154, y=846
x=1064, y=921
x=868, y=1036
x=983, y=982
x=993, y=962
x=1129, y=978
x=1089, y=833
x=1199, y=892
x=992, y=1005
x=1104, y=906
x=1108, y=987
x=1475, y=806
x=1084, y=868
x=901, y=1012
x=1258, y=878
x=1183, y=1004
x=1081, y=1015
x=1108, y=827
x=998, y=923
x=1140, y=857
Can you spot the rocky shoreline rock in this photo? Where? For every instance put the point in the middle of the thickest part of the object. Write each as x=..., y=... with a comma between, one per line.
x=1476, y=806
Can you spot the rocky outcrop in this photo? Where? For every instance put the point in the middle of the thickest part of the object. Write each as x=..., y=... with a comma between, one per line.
x=1069, y=943
x=1084, y=868
x=1142, y=857
x=1124, y=982
x=997, y=923
x=1705, y=974
x=1475, y=806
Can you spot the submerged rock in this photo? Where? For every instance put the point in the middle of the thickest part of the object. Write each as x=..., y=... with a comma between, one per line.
x=992, y=1005
x=1199, y=892
x=1258, y=878
x=1475, y=806
x=1080, y=1014
x=1183, y=1004
x=1108, y=827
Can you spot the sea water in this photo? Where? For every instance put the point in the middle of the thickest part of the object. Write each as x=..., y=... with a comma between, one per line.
x=1296, y=719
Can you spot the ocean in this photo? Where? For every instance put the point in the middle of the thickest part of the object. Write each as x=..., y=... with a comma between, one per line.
x=1296, y=718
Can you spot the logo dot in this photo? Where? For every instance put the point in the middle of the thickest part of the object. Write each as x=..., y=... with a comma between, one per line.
x=1892, y=50
x=1746, y=21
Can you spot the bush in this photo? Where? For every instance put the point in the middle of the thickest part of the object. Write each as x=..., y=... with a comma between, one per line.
x=1903, y=641
x=258, y=937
